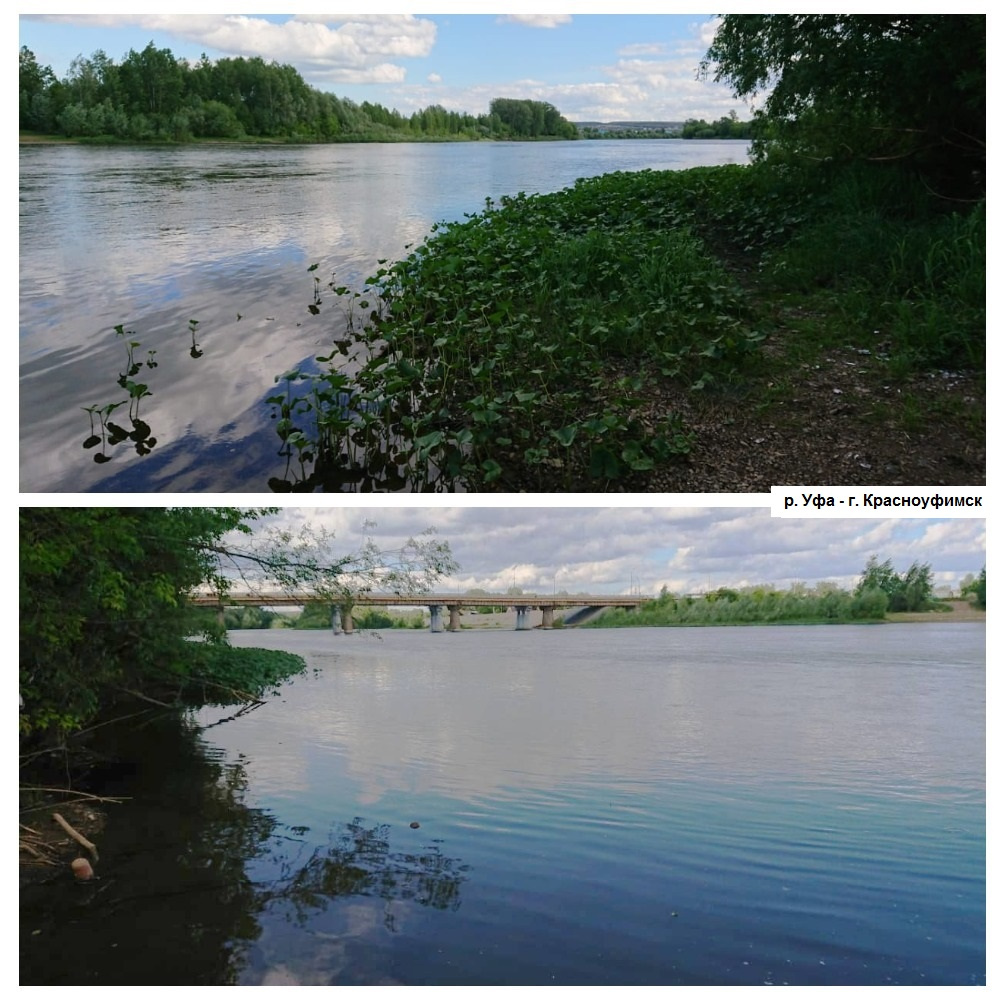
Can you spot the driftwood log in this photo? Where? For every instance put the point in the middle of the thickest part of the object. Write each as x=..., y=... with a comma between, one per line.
x=78, y=837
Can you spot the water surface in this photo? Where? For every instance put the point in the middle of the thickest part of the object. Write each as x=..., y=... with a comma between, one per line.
x=715, y=806
x=152, y=238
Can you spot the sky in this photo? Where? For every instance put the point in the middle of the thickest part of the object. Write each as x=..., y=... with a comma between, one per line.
x=623, y=550
x=597, y=67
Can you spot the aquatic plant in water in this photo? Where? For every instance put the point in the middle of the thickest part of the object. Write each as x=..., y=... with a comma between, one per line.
x=106, y=432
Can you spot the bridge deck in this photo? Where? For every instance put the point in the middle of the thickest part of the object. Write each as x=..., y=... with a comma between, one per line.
x=426, y=600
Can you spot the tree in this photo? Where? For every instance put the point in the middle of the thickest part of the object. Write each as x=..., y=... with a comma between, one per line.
x=912, y=592
x=522, y=118
x=152, y=81
x=878, y=576
x=974, y=589
x=106, y=613
x=918, y=587
x=882, y=86
x=34, y=82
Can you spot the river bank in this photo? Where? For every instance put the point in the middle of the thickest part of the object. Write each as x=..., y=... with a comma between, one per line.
x=718, y=329
x=961, y=611
x=713, y=329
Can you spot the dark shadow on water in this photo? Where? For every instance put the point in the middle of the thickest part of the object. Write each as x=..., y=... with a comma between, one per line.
x=240, y=458
x=174, y=903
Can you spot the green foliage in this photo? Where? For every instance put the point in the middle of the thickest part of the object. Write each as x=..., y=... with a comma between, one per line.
x=153, y=96
x=318, y=616
x=750, y=605
x=104, y=610
x=251, y=617
x=975, y=591
x=521, y=119
x=374, y=618
x=485, y=360
x=491, y=347
x=906, y=276
x=219, y=674
x=315, y=616
x=872, y=603
x=106, y=614
x=883, y=87
x=727, y=127
x=910, y=592
x=34, y=83
x=638, y=132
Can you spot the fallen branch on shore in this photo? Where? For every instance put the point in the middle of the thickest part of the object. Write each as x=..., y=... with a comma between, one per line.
x=78, y=837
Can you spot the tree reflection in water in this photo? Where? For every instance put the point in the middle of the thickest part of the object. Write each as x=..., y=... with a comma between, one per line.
x=175, y=903
x=359, y=862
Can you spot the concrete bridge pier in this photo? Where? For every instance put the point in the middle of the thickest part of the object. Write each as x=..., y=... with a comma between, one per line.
x=546, y=617
x=348, y=621
x=336, y=623
x=523, y=620
x=455, y=617
x=435, y=610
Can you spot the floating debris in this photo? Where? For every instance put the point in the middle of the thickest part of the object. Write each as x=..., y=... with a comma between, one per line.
x=82, y=869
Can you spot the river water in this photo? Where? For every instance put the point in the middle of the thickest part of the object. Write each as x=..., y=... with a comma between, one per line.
x=153, y=238
x=713, y=806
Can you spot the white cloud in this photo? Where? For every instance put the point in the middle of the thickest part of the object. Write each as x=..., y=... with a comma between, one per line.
x=433, y=77
x=608, y=550
x=536, y=20
x=636, y=87
x=325, y=47
x=382, y=73
x=642, y=49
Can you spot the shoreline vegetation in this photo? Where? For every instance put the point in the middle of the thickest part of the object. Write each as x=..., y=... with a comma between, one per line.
x=816, y=302
x=109, y=636
x=607, y=336
x=948, y=611
x=151, y=96
x=818, y=316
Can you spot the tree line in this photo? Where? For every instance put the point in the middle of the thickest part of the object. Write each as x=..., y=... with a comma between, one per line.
x=152, y=95
x=727, y=127
x=879, y=590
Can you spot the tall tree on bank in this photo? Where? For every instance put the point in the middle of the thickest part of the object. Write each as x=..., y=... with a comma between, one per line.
x=34, y=84
x=911, y=592
x=105, y=612
x=887, y=87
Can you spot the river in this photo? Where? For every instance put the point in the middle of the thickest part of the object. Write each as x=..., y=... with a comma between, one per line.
x=154, y=238
x=706, y=806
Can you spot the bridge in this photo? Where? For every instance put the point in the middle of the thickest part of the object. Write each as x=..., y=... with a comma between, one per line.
x=341, y=618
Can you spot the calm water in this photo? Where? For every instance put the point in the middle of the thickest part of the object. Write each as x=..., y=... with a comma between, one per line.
x=672, y=806
x=153, y=238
